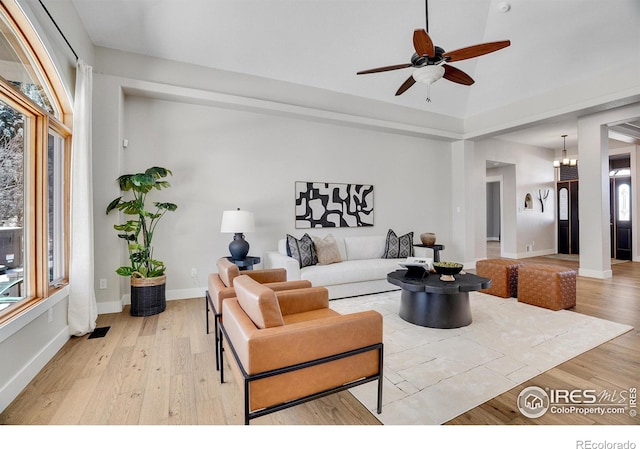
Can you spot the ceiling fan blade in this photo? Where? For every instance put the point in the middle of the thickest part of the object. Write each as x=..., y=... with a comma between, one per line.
x=406, y=85
x=423, y=43
x=474, y=51
x=457, y=76
x=384, y=69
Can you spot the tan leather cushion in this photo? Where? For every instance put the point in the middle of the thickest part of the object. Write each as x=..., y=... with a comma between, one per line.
x=326, y=250
x=227, y=271
x=258, y=302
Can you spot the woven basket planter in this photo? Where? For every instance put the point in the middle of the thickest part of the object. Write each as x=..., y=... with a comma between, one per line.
x=148, y=296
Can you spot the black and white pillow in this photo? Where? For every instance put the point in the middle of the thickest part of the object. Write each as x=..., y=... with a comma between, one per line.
x=303, y=250
x=398, y=247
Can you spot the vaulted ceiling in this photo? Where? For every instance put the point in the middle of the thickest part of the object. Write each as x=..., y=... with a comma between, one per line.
x=323, y=43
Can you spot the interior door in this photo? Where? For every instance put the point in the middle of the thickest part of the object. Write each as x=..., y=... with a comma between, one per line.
x=620, y=195
x=568, y=226
x=564, y=241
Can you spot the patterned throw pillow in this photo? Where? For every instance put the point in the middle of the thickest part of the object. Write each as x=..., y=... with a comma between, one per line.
x=302, y=250
x=326, y=250
x=398, y=247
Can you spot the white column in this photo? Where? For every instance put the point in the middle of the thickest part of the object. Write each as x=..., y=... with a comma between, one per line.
x=593, y=198
x=593, y=193
x=463, y=198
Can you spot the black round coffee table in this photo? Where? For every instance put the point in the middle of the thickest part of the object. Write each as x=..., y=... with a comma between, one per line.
x=428, y=301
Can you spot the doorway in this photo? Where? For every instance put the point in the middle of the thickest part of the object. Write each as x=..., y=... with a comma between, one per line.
x=620, y=202
x=567, y=204
x=493, y=211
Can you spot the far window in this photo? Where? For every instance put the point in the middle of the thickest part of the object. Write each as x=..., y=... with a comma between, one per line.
x=624, y=203
x=56, y=211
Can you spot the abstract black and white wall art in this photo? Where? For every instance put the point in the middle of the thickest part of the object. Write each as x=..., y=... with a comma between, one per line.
x=333, y=205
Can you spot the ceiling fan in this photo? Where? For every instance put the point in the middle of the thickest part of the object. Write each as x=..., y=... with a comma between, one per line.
x=431, y=62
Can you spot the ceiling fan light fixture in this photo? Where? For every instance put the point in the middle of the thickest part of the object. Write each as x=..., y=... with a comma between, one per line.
x=428, y=74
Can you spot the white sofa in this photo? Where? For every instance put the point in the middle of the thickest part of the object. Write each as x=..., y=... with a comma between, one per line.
x=362, y=269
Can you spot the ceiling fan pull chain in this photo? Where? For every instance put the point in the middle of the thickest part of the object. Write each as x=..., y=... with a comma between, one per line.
x=428, y=100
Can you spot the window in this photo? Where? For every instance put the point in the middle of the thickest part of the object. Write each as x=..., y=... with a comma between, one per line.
x=624, y=202
x=56, y=210
x=12, y=156
x=34, y=170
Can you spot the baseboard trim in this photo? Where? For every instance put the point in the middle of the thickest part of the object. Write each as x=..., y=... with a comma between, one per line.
x=172, y=295
x=605, y=274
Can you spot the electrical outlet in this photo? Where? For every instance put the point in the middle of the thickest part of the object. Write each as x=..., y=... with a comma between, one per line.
x=194, y=272
x=103, y=284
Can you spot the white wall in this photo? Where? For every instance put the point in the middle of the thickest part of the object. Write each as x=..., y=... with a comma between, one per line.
x=530, y=170
x=223, y=158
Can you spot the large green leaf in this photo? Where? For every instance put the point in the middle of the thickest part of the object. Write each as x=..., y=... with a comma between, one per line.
x=167, y=206
x=158, y=172
x=125, y=271
x=113, y=204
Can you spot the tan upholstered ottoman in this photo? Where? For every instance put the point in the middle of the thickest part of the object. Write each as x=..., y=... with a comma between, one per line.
x=547, y=286
x=503, y=274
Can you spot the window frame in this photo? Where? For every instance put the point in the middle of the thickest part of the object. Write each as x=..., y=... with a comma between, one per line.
x=59, y=130
x=39, y=123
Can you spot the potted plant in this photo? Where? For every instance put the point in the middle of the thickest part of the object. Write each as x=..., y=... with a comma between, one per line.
x=146, y=273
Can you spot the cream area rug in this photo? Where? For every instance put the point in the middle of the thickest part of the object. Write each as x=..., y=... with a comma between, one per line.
x=434, y=375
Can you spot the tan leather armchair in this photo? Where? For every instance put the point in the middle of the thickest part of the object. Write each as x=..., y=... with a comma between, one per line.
x=221, y=287
x=289, y=347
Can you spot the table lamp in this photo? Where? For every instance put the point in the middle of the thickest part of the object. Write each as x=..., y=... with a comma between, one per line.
x=237, y=221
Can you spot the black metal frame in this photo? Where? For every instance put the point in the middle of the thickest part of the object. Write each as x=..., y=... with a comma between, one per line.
x=248, y=378
x=208, y=302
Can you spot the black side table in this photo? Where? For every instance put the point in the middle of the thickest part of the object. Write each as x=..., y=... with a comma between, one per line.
x=245, y=264
x=436, y=250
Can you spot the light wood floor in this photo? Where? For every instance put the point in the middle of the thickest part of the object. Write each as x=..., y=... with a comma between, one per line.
x=161, y=370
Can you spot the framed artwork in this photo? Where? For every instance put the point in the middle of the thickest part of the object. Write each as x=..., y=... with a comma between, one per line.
x=333, y=205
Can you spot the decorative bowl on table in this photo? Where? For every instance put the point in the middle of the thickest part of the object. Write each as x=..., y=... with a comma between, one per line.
x=446, y=270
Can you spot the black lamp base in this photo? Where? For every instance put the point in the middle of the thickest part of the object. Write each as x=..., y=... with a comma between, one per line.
x=239, y=247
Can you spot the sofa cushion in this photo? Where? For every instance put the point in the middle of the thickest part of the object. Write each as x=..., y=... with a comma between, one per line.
x=258, y=302
x=326, y=249
x=364, y=247
x=303, y=250
x=350, y=271
x=398, y=247
x=227, y=271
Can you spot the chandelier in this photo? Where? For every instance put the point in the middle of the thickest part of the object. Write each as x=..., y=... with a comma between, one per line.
x=565, y=160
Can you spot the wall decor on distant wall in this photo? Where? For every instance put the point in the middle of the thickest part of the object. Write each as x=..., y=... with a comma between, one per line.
x=528, y=202
x=542, y=197
x=333, y=205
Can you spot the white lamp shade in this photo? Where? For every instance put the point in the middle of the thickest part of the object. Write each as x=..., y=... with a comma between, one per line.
x=428, y=74
x=237, y=221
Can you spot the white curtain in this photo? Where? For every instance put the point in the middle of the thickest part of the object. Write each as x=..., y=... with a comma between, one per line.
x=82, y=296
